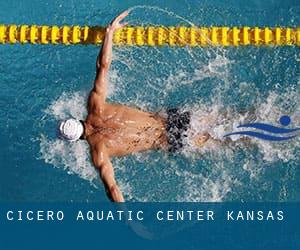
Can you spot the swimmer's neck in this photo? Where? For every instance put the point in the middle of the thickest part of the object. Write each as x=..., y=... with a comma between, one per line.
x=88, y=130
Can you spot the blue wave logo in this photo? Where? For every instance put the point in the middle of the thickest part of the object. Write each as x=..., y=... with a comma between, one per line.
x=279, y=133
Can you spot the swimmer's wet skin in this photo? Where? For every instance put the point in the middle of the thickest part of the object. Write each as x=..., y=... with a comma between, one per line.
x=117, y=130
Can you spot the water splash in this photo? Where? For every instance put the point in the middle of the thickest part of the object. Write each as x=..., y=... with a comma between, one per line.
x=214, y=84
x=192, y=185
x=74, y=158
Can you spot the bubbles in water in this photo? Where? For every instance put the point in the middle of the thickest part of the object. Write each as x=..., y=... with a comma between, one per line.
x=68, y=105
x=203, y=81
x=73, y=157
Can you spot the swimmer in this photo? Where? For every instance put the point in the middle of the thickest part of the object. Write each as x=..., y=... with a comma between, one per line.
x=114, y=130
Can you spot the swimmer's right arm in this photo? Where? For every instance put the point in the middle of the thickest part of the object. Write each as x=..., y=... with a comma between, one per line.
x=105, y=56
x=103, y=164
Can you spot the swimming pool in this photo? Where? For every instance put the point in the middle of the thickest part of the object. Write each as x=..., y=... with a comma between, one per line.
x=42, y=84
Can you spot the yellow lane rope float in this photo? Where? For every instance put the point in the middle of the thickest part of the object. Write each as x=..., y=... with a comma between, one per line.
x=152, y=36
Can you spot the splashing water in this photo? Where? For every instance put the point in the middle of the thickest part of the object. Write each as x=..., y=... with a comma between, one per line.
x=72, y=157
x=208, y=83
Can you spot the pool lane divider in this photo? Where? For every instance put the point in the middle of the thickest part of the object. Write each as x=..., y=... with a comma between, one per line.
x=152, y=35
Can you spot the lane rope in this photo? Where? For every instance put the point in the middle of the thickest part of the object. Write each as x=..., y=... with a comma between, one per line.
x=152, y=35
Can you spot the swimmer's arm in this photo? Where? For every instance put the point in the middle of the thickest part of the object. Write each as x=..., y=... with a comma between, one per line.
x=103, y=164
x=105, y=56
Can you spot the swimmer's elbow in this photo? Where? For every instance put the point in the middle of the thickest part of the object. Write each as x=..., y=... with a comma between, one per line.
x=99, y=163
x=105, y=63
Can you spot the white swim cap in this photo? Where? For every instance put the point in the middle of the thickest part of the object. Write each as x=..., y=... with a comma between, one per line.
x=70, y=130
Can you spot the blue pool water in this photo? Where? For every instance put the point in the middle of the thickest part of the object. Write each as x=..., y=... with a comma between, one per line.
x=42, y=84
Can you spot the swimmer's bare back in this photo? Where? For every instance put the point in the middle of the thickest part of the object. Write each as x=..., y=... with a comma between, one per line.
x=123, y=130
x=113, y=129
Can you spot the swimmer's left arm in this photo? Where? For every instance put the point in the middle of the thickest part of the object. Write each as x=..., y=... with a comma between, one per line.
x=103, y=164
x=105, y=56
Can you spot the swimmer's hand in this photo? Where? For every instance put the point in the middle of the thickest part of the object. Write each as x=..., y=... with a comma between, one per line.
x=115, y=24
x=105, y=57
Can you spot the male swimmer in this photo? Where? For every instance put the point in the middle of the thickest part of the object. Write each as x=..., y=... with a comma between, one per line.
x=117, y=130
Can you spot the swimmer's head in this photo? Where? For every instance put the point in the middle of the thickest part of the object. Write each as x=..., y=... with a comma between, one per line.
x=70, y=130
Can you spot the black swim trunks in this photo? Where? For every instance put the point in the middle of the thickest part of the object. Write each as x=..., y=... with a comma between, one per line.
x=177, y=125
